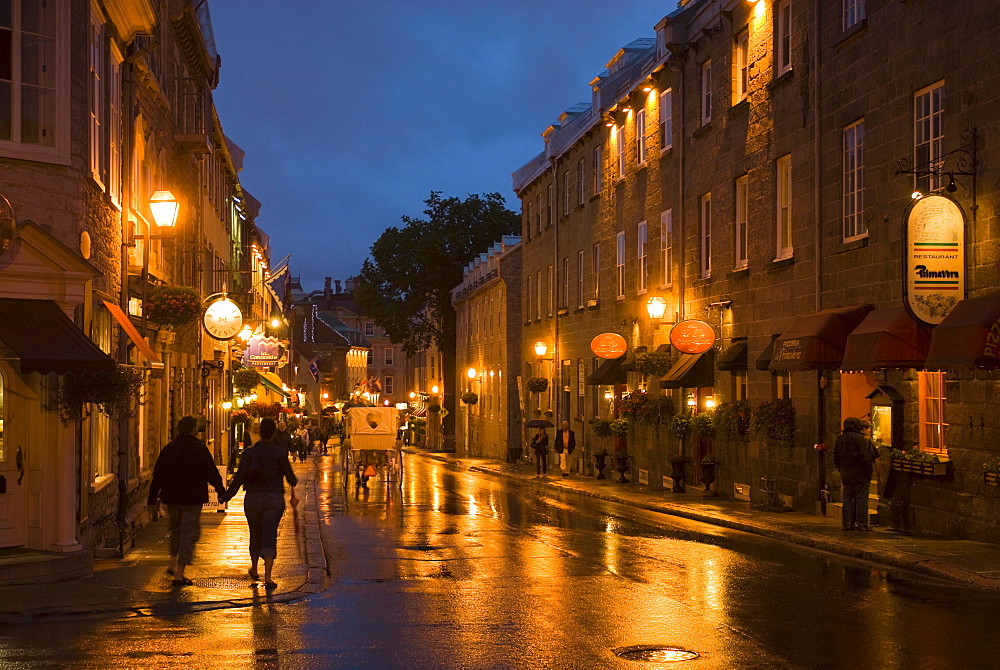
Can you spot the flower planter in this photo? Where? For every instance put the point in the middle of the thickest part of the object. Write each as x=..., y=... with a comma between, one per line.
x=992, y=478
x=600, y=462
x=922, y=468
x=678, y=474
x=708, y=478
x=622, y=467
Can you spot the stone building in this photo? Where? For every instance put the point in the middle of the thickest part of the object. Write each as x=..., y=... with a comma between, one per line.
x=812, y=181
x=488, y=345
x=109, y=102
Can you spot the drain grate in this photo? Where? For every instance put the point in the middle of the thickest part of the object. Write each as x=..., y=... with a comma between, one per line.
x=228, y=583
x=654, y=653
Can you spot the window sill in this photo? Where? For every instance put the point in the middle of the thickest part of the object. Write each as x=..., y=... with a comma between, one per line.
x=781, y=263
x=563, y=311
x=738, y=273
x=780, y=79
x=851, y=32
x=666, y=152
x=101, y=482
x=856, y=243
x=641, y=167
x=703, y=130
x=740, y=107
x=619, y=298
x=594, y=197
x=578, y=310
x=642, y=291
x=593, y=303
x=704, y=279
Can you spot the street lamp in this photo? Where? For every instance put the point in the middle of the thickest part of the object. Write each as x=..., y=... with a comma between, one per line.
x=471, y=372
x=164, y=208
x=655, y=307
x=541, y=348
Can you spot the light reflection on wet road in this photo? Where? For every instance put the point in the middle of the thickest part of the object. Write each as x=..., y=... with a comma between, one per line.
x=463, y=570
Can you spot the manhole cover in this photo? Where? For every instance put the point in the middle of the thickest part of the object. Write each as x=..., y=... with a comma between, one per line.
x=654, y=653
x=229, y=583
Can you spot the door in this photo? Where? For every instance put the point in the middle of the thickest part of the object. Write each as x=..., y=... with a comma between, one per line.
x=12, y=467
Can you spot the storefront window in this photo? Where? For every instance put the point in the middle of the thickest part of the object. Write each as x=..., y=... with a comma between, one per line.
x=932, y=402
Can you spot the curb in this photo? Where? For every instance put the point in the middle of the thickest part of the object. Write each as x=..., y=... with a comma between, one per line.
x=900, y=560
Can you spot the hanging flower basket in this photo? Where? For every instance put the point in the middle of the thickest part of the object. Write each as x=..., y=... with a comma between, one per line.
x=245, y=380
x=652, y=364
x=774, y=419
x=537, y=384
x=434, y=408
x=239, y=416
x=263, y=410
x=619, y=427
x=113, y=392
x=168, y=305
x=702, y=425
x=470, y=398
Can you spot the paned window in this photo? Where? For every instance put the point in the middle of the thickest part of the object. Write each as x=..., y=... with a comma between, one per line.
x=705, y=228
x=933, y=429
x=596, y=168
x=641, y=255
x=596, y=261
x=620, y=149
x=387, y=384
x=565, y=188
x=667, y=245
x=854, y=13
x=666, y=119
x=527, y=219
x=369, y=328
x=550, y=204
x=784, y=207
x=549, y=292
x=98, y=73
x=640, y=136
x=538, y=214
x=854, y=181
x=388, y=356
x=371, y=357
x=538, y=295
x=783, y=36
x=741, y=66
x=581, y=182
x=527, y=298
x=706, y=92
x=928, y=135
x=742, y=204
x=2, y=418
x=580, y=298
x=620, y=263
x=564, y=285
x=782, y=385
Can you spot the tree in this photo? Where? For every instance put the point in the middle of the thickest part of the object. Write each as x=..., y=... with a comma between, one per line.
x=405, y=286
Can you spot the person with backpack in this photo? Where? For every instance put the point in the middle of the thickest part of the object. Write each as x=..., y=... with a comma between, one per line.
x=854, y=455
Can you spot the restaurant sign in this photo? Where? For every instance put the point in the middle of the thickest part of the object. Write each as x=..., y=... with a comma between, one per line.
x=608, y=345
x=934, y=278
x=692, y=337
x=262, y=352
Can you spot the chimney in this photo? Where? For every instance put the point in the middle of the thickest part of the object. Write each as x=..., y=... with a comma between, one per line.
x=326, y=287
x=337, y=283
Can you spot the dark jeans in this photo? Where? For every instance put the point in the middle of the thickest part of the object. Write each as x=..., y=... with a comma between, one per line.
x=185, y=529
x=263, y=512
x=541, y=462
x=855, y=512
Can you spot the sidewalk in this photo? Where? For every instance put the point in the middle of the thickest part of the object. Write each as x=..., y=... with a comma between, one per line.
x=139, y=586
x=963, y=562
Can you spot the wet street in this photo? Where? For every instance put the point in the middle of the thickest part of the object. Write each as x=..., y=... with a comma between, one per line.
x=459, y=569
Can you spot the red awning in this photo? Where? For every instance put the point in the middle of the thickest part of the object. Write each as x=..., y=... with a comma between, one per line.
x=690, y=371
x=608, y=373
x=969, y=337
x=138, y=340
x=817, y=341
x=887, y=338
x=46, y=340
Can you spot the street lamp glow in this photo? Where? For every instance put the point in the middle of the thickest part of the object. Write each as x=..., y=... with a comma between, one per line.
x=541, y=348
x=275, y=323
x=246, y=333
x=710, y=402
x=413, y=394
x=655, y=307
x=227, y=404
x=471, y=372
x=164, y=207
x=435, y=389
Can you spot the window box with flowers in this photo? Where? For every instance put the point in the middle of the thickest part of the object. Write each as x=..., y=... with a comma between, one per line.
x=991, y=472
x=263, y=410
x=917, y=462
x=173, y=306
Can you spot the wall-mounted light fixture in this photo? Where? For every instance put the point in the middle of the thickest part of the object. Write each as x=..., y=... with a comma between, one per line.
x=710, y=402
x=691, y=400
x=655, y=307
x=541, y=348
x=435, y=389
x=471, y=373
x=164, y=208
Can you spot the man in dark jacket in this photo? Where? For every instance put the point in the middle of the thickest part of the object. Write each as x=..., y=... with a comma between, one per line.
x=282, y=438
x=181, y=477
x=565, y=446
x=854, y=455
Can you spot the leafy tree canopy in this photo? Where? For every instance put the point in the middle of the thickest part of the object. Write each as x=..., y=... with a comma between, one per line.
x=405, y=286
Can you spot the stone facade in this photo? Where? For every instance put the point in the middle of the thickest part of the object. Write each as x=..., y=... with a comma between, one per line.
x=778, y=193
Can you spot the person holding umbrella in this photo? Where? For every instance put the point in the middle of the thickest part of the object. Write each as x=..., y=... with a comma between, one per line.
x=540, y=445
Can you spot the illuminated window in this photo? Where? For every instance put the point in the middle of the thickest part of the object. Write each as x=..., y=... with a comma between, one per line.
x=34, y=84
x=596, y=259
x=854, y=180
x=782, y=384
x=620, y=150
x=706, y=92
x=667, y=245
x=620, y=263
x=99, y=429
x=705, y=230
x=741, y=66
x=742, y=204
x=596, y=168
x=580, y=298
x=739, y=384
x=666, y=119
x=640, y=136
x=783, y=235
x=854, y=13
x=641, y=254
x=928, y=134
x=581, y=181
x=932, y=404
x=783, y=37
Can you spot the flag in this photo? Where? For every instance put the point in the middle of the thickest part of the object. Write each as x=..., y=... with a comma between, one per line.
x=277, y=286
x=314, y=369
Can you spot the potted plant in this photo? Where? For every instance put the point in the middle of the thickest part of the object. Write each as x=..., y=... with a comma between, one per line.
x=991, y=472
x=708, y=464
x=602, y=430
x=732, y=421
x=113, y=392
x=470, y=398
x=703, y=425
x=174, y=306
x=245, y=380
x=537, y=384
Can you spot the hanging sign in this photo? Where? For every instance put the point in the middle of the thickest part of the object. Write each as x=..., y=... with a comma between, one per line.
x=692, y=337
x=934, y=279
x=262, y=351
x=608, y=345
x=223, y=319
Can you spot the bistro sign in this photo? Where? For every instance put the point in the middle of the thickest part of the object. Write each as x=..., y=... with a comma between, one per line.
x=692, y=337
x=935, y=258
x=608, y=345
